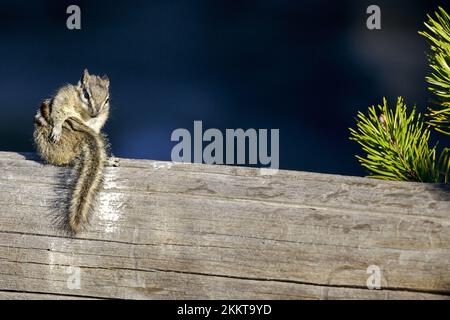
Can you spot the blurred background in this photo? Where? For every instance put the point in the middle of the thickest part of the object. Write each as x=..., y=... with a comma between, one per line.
x=305, y=67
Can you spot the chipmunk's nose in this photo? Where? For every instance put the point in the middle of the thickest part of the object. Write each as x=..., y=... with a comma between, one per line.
x=93, y=110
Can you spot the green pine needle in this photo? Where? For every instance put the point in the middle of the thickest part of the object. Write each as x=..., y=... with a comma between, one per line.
x=438, y=36
x=397, y=145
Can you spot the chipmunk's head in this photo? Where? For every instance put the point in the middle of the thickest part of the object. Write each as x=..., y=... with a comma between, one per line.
x=94, y=92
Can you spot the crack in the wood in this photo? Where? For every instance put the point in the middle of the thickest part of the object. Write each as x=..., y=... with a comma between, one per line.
x=54, y=294
x=143, y=244
x=288, y=281
x=108, y=241
x=412, y=290
x=359, y=247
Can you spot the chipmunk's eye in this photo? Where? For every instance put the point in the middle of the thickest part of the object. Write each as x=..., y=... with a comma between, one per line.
x=85, y=94
x=107, y=100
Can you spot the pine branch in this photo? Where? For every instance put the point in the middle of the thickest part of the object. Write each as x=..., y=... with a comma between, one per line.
x=438, y=36
x=397, y=145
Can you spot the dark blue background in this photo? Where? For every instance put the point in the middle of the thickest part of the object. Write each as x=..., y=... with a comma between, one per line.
x=305, y=67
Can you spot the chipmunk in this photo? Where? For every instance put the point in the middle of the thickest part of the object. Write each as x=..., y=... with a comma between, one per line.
x=67, y=132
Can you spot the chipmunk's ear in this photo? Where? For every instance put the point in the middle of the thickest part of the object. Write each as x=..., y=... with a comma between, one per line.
x=86, y=76
x=106, y=79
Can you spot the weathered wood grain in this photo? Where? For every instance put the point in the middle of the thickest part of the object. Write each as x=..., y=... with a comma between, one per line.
x=169, y=231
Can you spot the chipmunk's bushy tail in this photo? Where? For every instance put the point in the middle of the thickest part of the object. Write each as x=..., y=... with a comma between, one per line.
x=89, y=169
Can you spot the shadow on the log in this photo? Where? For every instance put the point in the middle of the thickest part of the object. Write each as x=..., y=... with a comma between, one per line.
x=31, y=156
x=60, y=206
x=441, y=191
x=65, y=180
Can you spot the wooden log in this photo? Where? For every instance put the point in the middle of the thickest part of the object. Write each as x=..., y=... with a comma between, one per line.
x=174, y=231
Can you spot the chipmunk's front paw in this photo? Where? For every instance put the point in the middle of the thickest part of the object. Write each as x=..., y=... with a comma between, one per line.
x=56, y=134
x=40, y=121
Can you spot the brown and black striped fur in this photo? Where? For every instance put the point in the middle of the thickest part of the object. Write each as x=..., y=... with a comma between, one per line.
x=81, y=147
